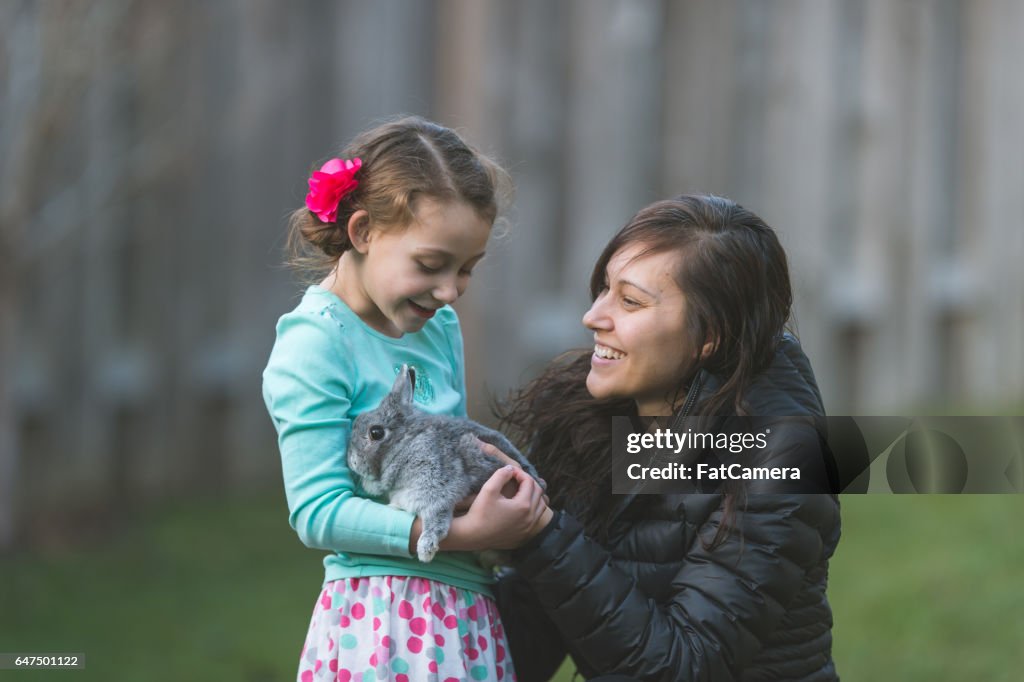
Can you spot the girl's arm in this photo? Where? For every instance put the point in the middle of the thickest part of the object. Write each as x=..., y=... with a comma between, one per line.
x=307, y=388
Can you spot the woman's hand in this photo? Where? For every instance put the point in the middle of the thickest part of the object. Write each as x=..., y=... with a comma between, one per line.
x=498, y=521
x=510, y=488
x=508, y=491
x=493, y=451
x=492, y=523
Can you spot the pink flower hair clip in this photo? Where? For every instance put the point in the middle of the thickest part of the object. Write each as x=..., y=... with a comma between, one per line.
x=329, y=185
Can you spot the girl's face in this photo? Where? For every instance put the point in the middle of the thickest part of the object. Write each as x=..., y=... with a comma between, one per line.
x=641, y=348
x=408, y=273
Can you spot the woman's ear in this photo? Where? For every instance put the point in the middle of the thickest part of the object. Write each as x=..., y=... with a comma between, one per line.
x=359, y=230
x=707, y=349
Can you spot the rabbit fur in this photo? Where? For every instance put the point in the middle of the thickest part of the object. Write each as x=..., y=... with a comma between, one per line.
x=423, y=463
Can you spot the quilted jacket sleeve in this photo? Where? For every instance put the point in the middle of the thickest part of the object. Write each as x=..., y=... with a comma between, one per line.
x=725, y=601
x=536, y=645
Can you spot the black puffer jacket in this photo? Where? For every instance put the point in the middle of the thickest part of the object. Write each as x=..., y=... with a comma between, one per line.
x=655, y=603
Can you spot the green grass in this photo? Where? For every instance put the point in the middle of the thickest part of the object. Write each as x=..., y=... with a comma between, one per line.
x=922, y=587
x=929, y=587
x=209, y=590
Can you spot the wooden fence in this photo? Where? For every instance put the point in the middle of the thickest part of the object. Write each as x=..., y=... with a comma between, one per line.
x=149, y=154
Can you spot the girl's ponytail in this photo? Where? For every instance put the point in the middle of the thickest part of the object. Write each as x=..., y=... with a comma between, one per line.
x=313, y=245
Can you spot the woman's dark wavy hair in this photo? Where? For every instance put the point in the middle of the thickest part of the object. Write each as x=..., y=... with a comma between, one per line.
x=735, y=277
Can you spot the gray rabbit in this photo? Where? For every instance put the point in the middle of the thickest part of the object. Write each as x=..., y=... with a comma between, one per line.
x=423, y=463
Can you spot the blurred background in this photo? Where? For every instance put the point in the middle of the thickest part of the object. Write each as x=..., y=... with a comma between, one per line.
x=150, y=152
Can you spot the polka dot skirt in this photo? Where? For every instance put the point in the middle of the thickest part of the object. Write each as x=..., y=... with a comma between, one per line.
x=404, y=629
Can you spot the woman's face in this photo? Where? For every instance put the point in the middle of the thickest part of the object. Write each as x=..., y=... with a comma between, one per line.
x=641, y=349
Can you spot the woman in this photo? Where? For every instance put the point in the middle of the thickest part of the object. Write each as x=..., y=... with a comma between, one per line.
x=690, y=300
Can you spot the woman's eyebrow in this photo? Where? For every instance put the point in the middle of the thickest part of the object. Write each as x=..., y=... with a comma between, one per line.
x=626, y=282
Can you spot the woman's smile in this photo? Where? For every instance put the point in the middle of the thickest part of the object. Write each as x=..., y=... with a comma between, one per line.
x=602, y=352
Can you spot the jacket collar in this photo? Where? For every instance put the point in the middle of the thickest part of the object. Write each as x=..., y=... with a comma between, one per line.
x=786, y=389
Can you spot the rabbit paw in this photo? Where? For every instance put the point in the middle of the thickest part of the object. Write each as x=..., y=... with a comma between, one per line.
x=426, y=547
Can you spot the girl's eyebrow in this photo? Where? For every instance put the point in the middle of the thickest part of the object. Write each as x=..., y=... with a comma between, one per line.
x=432, y=251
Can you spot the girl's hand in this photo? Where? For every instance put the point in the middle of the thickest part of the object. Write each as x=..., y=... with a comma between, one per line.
x=497, y=521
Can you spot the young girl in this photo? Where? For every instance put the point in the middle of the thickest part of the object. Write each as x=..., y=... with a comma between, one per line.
x=399, y=221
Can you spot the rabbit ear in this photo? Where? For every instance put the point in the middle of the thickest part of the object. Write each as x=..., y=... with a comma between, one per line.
x=404, y=384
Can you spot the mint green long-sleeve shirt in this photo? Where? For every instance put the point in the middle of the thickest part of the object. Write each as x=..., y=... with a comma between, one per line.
x=327, y=366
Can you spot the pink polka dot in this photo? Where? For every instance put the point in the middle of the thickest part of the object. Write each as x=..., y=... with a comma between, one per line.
x=373, y=659
x=482, y=642
x=415, y=645
x=426, y=604
x=501, y=673
x=438, y=611
x=333, y=665
x=471, y=612
x=325, y=600
x=418, y=626
x=345, y=621
x=330, y=643
x=385, y=641
x=358, y=611
x=451, y=679
x=421, y=585
x=401, y=678
x=439, y=640
x=451, y=622
x=344, y=675
x=405, y=609
x=376, y=623
x=307, y=676
x=499, y=655
x=432, y=667
x=472, y=653
x=352, y=584
x=319, y=664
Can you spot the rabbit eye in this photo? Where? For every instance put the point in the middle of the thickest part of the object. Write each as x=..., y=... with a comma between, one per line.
x=376, y=432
